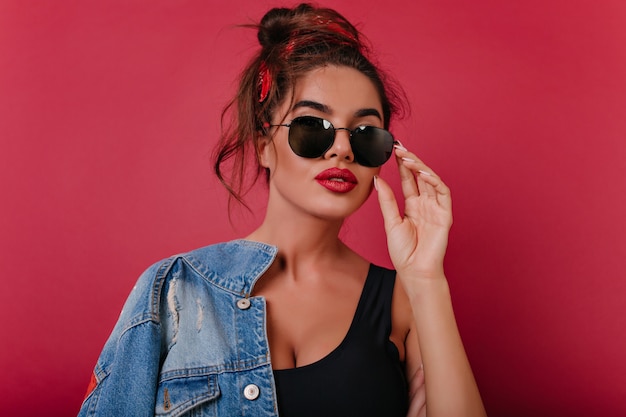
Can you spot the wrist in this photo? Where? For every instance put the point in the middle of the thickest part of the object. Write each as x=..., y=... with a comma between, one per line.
x=424, y=284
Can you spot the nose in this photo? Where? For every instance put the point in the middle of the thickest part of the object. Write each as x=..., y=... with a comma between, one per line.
x=341, y=147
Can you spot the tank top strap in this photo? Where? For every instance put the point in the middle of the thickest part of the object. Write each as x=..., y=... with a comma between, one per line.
x=374, y=310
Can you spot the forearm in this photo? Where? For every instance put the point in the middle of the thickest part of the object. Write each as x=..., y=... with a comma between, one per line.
x=451, y=389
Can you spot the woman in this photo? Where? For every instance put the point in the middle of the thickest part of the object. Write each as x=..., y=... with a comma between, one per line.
x=345, y=337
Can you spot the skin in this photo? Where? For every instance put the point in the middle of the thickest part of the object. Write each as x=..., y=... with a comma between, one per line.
x=313, y=288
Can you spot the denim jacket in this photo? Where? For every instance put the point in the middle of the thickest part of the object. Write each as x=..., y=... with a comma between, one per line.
x=190, y=340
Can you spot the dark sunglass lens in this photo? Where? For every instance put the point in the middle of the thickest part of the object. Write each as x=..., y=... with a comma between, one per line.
x=310, y=137
x=372, y=146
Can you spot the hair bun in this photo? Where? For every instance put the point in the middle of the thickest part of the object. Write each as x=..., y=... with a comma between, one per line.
x=321, y=25
x=275, y=27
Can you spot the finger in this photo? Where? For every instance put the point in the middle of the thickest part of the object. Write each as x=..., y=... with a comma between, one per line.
x=425, y=188
x=403, y=153
x=415, y=164
x=417, y=394
x=426, y=182
x=410, y=184
x=407, y=177
x=416, y=381
x=441, y=191
x=388, y=204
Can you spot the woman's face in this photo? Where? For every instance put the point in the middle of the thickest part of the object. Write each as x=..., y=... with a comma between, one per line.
x=332, y=186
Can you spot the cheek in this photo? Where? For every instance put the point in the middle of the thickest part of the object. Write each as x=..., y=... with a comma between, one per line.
x=281, y=159
x=368, y=174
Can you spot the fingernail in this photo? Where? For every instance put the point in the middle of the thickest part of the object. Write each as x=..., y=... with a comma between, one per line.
x=376, y=182
x=408, y=159
x=425, y=173
x=399, y=145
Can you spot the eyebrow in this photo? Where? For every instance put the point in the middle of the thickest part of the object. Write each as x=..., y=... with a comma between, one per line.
x=313, y=105
x=368, y=112
x=325, y=109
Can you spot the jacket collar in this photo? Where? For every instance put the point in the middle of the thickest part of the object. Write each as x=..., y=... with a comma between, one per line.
x=234, y=266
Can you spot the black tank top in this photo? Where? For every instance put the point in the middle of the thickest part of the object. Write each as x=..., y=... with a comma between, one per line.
x=363, y=376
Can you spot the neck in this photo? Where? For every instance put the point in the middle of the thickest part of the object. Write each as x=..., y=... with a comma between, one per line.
x=304, y=241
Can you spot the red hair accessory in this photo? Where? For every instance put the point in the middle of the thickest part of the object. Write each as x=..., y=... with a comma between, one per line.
x=265, y=82
x=332, y=27
x=335, y=27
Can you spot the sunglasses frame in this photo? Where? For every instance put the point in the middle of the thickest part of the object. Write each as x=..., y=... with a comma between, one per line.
x=334, y=130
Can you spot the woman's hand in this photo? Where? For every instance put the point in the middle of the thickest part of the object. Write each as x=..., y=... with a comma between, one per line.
x=417, y=242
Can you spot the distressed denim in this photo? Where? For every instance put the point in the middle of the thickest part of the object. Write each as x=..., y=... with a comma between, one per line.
x=190, y=340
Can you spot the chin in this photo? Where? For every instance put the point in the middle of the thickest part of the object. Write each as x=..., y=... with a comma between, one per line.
x=335, y=211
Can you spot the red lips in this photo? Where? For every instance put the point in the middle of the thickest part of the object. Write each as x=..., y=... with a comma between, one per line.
x=337, y=180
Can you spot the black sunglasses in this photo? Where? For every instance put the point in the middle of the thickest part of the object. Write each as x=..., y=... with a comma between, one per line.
x=311, y=137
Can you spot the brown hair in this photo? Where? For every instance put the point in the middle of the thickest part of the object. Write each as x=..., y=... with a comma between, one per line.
x=293, y=42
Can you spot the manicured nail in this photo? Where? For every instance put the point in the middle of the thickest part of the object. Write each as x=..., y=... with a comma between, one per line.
x=425, y=173
x=400, y=146
x=376, y=182
x=408, y=159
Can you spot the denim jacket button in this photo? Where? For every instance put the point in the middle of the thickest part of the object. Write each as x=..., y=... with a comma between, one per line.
x=251, y=392
x=243, y=304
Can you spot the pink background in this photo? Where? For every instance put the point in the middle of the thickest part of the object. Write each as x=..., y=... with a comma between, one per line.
x=109, y=111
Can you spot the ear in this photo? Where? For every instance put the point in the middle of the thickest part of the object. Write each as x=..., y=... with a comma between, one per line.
x=264, y=150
